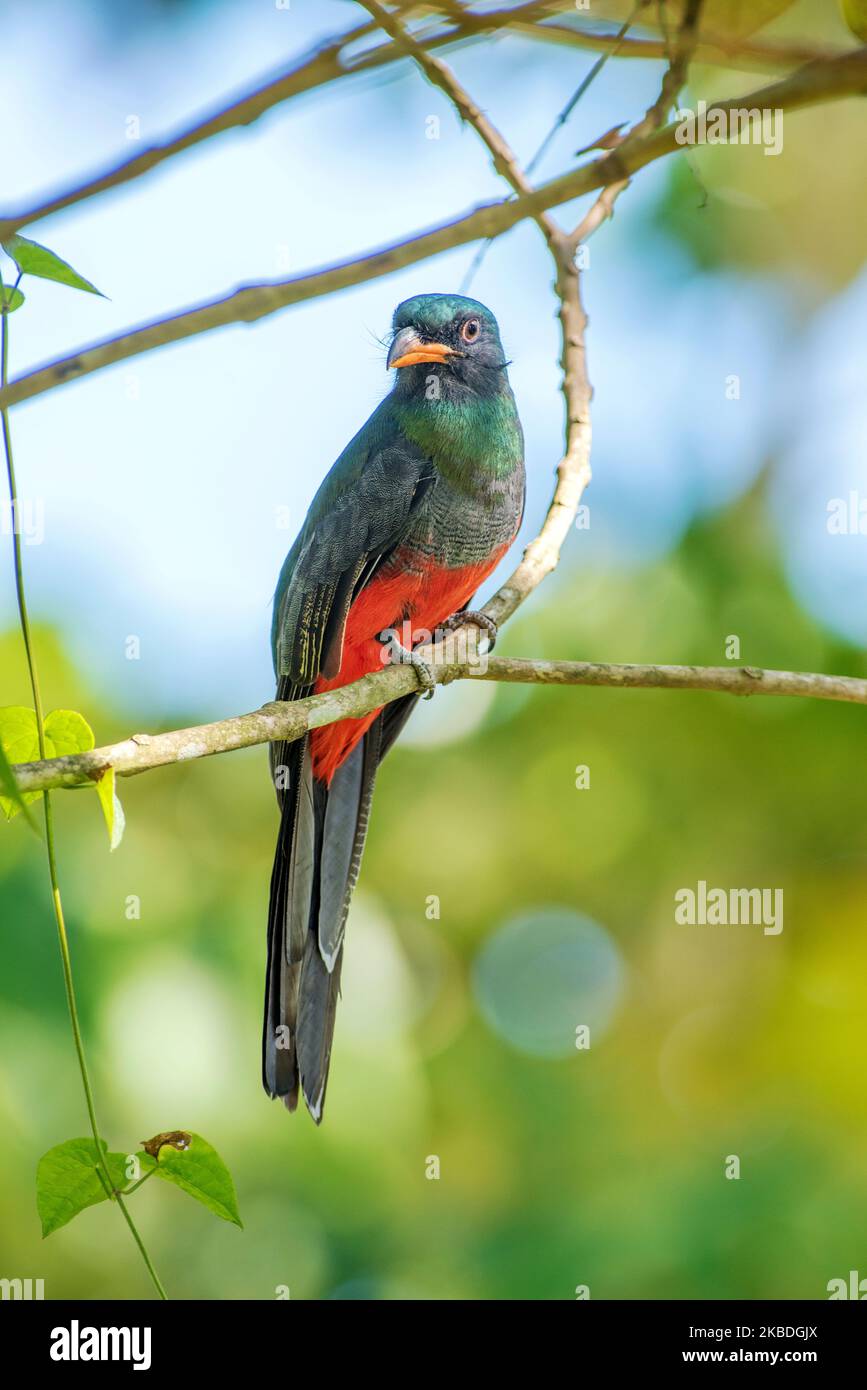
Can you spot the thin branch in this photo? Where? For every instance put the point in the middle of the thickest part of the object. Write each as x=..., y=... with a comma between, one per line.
x=286, y=722
x=48, y=813
x=327, y=63
x=613, y=51
x=712, y=49
x=723, y=680
x=558, y=124
x=654, y=117
x=842, y=77
x=504, y=159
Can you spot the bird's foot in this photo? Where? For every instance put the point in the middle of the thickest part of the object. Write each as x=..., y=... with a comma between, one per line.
x=404, y=656
x=471, y=617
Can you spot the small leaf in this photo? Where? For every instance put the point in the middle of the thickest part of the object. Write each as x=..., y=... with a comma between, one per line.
x=21, y=745
x=111, y=807
x=67, y=1181
x=18, y=733
x=33, y=259
x=67, y=732
x=11, y=298
x=201, y=1172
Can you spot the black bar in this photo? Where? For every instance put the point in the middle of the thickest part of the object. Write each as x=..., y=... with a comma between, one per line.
x=178, y=1338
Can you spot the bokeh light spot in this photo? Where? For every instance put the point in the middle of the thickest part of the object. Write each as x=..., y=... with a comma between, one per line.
x=543, y=975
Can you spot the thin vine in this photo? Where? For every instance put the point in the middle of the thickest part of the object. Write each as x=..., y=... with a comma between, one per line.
x=9, y=295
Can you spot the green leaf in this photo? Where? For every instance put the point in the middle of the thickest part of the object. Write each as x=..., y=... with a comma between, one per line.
x=67, y=1181
x=111, y=807
x=20, y=743
x=67, y=731
x=33, y=259
x=11, y=299
x=18, y=733
x=201, y=1172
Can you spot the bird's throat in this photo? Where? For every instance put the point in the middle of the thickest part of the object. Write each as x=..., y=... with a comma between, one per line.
x=468, y=439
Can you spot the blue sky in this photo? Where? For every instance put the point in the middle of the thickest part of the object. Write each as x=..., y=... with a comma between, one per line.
x=173, y=484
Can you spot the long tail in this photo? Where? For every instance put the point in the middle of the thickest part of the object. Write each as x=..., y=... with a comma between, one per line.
x=316, y=865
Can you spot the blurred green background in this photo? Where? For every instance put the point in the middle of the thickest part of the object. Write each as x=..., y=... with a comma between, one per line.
x=455, y=1035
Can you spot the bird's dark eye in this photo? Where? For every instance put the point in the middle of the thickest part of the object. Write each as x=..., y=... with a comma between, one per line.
x=470, y=330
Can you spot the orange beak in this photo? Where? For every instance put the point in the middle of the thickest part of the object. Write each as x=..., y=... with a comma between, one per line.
x=408, y=349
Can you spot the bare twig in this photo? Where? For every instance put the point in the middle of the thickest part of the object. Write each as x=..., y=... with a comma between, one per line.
x=558, y=124
x=325, y=64
x=330, y=62
x=673, y=79
x=286, y=722
x=587, y=80
x=542, y=555
x=436, y=71
x=839, y=78
x=715, y=50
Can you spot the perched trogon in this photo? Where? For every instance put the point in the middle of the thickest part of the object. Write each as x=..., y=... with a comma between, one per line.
x=413, y=516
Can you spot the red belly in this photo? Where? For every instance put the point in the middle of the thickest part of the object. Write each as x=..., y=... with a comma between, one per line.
x=423, y=601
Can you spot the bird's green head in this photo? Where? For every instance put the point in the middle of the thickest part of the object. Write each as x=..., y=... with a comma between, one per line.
x=452, y=338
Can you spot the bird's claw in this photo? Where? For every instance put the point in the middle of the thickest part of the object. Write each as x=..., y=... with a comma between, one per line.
x=404, y=656
x=471, y=617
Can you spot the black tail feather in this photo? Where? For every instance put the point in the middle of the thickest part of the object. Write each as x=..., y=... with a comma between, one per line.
x=316, y=866
x=291, y=880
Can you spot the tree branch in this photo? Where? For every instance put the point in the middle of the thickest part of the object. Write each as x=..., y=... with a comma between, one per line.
x=504, y=159
x=840, y=77
x=286, y=722
x=714, y=50
x=327, y=63
x=654, y=117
